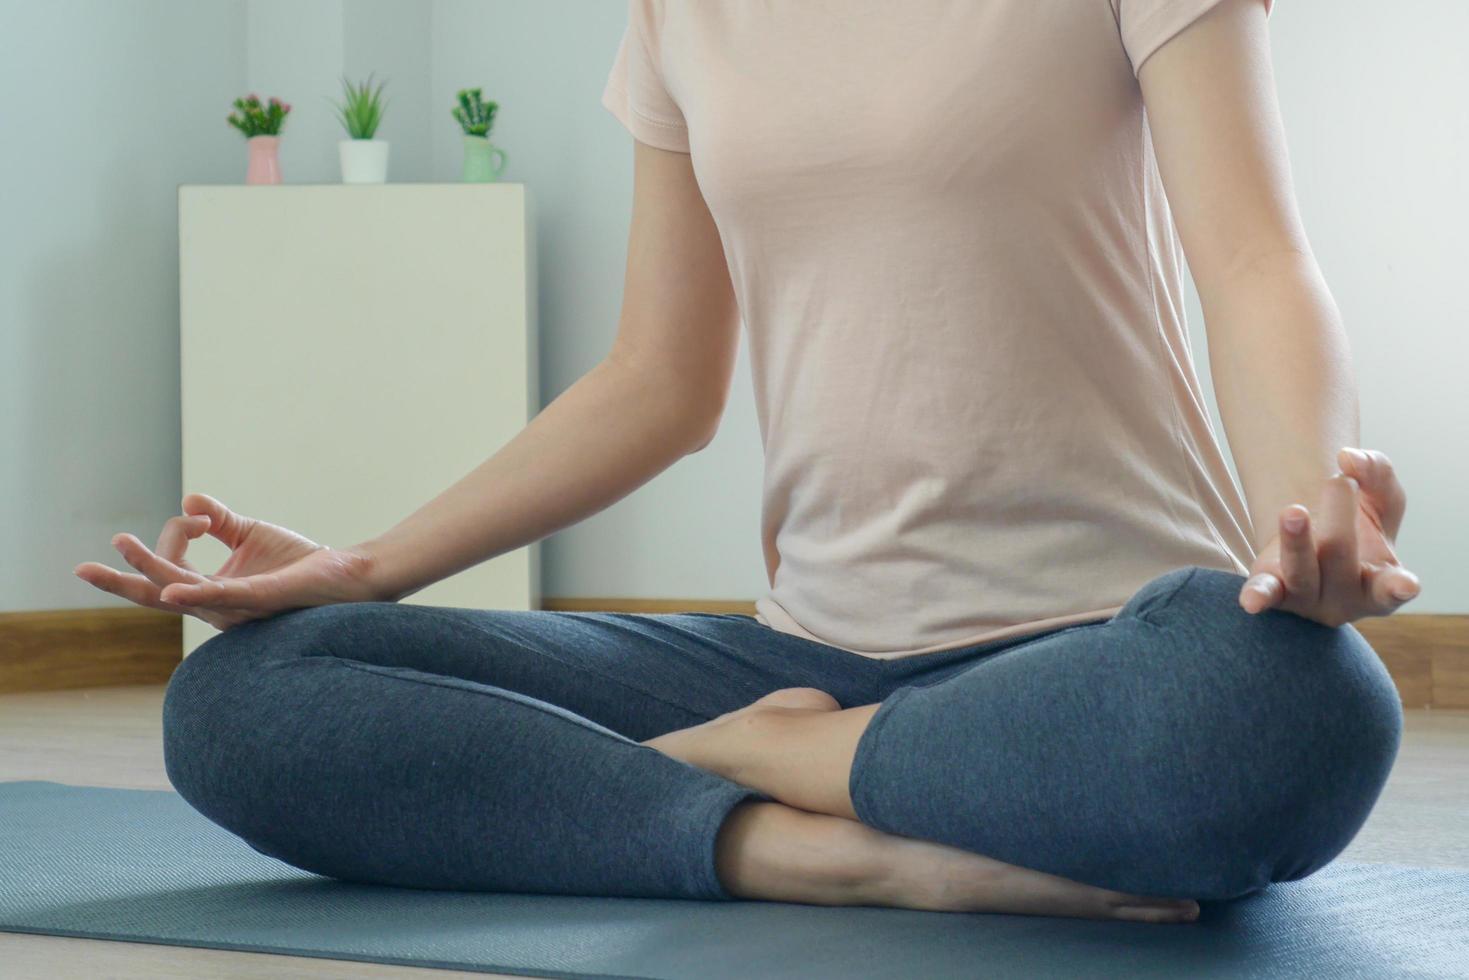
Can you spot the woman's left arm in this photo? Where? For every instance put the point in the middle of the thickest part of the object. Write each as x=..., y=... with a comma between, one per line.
x=1279, y=357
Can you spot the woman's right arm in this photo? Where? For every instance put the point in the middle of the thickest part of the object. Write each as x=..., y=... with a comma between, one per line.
x=657, y=396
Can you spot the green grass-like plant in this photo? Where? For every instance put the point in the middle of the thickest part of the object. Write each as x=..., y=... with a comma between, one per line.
x=253, y=119
x=363, y=108
x=473, y=113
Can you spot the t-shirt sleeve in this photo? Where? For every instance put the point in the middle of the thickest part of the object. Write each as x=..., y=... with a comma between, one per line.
x=635, y=91
x=1147, y=25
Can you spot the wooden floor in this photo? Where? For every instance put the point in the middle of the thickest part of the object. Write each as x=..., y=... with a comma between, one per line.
x=112, y=737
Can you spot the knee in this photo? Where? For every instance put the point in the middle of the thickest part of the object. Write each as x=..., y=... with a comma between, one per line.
x=199, y=704
x=1306, y=724
x=219, y=694
x=1300, y=684
x=1345, y=729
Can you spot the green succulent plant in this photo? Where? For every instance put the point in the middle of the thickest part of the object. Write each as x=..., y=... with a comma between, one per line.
x=254, y=119
x=473, y=113
x=362, y=110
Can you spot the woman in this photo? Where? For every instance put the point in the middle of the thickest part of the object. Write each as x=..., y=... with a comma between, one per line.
x=1026, y=649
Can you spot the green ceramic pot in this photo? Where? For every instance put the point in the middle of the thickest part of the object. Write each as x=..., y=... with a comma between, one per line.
x=483, y=160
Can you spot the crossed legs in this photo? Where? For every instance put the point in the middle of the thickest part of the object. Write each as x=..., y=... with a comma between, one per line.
x=1185, y=747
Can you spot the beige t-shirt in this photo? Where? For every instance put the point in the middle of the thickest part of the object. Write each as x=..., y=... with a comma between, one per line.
x=962, y=293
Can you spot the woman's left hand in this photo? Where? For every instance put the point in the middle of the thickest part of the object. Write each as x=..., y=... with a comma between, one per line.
x=1346, y=569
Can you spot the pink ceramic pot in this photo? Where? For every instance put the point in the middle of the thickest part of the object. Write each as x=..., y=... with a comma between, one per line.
x=265, y=165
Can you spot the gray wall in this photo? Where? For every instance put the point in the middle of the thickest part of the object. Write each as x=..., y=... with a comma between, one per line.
x=693, y=531
x=392, y=40
x=293, y=50
x=1374, y=102
x=88, y=263
x=300, y=50
x=98, y=132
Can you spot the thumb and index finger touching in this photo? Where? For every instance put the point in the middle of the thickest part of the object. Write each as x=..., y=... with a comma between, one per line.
x=224, y=524
x=230, y=529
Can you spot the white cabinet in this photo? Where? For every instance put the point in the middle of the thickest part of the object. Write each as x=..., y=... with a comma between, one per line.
x=349, y=351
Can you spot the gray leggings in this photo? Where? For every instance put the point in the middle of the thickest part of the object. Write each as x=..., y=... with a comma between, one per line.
x=1182, y=748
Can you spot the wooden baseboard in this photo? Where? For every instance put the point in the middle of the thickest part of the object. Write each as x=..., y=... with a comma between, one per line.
x=1426, y=654
x=68, y=648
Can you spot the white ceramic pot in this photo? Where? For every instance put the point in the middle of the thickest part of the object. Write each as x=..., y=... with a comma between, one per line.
x=364, y=161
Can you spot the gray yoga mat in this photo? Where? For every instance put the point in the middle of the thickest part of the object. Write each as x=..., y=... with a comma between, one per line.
x=142, y=865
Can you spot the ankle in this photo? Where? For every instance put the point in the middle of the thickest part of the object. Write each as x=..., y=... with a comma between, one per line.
x=799, y=757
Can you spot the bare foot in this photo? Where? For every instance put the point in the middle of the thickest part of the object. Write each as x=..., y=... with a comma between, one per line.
x=780, y=852
x=772, y=852
x=930, y=875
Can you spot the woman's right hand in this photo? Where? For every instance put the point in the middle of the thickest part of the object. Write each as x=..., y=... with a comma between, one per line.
x=270, y=569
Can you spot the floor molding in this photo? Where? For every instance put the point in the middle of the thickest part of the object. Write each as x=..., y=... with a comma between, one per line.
x=1426, y=654
x=62, y=649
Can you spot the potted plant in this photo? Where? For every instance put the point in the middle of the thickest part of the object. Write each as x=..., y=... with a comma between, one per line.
x=364, y=158
x=261, y=126
x=477, y=116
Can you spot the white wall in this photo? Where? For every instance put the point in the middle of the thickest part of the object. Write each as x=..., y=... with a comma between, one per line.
x=98, y=131
x=392, y=40
x=293, y=51
x=1373, y=98
x=694, y=530
x=299, y=50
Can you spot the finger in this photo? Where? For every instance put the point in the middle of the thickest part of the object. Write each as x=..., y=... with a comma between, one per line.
x=251, y=592
x=1336, y=545
x=224, y=523
x=1379, y=481
x=1299, y=566
x=1262, y=590
x=134, y=588
x=1389, y=586
x=157, y=570
x=137, y=589
x=177, y=532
